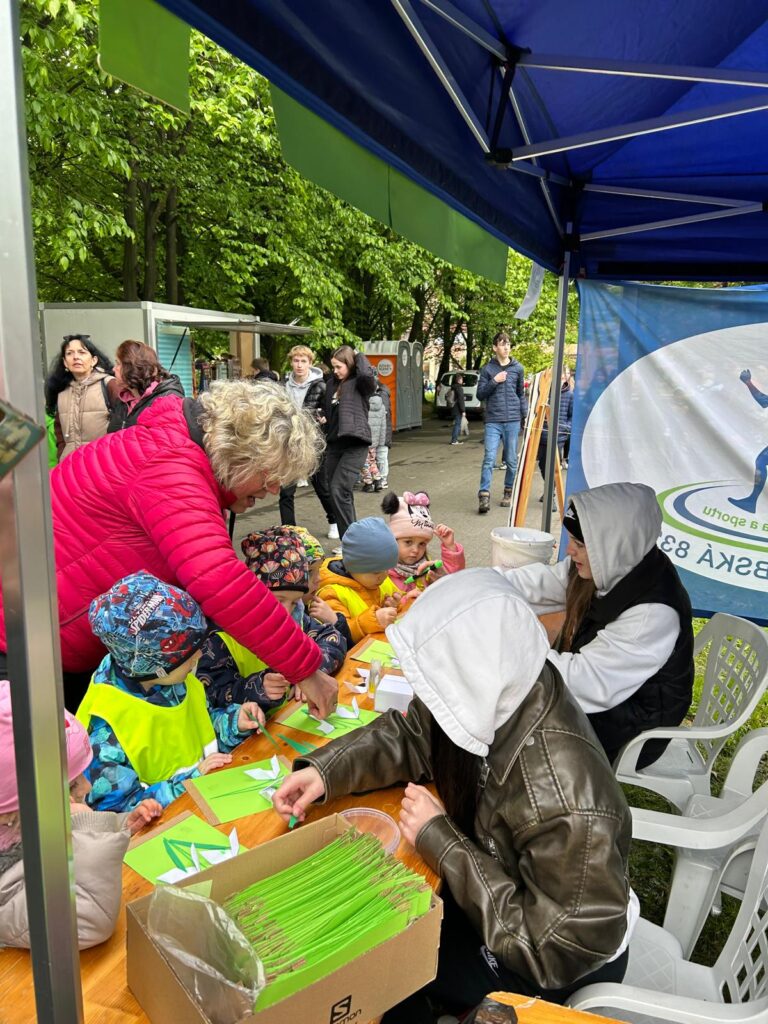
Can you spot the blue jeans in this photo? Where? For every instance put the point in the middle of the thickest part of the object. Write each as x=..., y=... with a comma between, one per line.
x=496, y=434
x=456, y=426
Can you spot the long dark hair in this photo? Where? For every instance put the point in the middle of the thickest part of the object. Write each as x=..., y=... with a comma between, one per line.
x=59, y=378
x=456, y=773
x=344, y=354
x=578, y=598
x=139, y=365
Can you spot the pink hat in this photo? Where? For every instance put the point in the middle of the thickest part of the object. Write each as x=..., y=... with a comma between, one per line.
x=412, y=518
x=79, y=753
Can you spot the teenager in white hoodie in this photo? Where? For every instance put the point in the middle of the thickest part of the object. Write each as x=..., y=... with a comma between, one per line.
x=529, y=829
x=626, y=648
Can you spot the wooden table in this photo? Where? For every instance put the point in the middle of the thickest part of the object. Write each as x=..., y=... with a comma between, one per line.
x=106, y=997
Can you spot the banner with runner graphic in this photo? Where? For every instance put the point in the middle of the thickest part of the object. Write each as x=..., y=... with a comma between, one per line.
x=672, y=391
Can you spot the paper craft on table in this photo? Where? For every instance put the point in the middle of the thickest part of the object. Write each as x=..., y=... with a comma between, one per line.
x=343, y=720
x=378, y=650
x=187, y=846
x=236, y=792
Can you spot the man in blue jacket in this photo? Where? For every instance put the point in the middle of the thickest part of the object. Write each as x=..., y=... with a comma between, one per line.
x=502, y=387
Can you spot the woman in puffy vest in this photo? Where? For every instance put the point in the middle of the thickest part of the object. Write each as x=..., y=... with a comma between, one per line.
x=80, y=393
x=626, y=647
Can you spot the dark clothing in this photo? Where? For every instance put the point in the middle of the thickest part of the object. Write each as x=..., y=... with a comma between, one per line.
x=384, y=392
x=505, y=402
x=347, y=418
x=122, y=418
x=315, y=399
x=664, y=699
x=467, y=972
x=263, y=375
x=342, y=466
x=459, y=404
x=287, y=507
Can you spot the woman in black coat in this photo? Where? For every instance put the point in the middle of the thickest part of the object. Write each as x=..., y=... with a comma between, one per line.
x=348, y=436
x=142, y=379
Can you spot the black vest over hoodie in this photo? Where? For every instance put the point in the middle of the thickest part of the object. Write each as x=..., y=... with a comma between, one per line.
x=664, y=699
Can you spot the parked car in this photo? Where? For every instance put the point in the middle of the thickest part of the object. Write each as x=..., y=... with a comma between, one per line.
x=473, y=404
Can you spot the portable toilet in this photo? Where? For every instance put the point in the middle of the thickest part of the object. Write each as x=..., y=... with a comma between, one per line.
x=399, y=365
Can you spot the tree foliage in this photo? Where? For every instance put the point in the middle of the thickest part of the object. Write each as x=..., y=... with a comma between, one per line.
x=132, y=200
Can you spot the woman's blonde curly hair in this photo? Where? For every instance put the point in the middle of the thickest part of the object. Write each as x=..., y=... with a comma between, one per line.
x=251, y=428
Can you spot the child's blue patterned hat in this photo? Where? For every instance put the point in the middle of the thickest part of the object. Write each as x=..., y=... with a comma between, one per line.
x=149, y=627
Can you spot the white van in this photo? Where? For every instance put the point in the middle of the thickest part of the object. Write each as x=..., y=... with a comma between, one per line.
x=473, y=404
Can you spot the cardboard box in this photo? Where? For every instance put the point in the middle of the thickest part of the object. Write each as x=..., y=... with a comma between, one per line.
x=358, y=991
x=393, y=692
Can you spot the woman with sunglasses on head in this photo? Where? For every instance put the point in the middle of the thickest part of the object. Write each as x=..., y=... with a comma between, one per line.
x=625, y=649
x=80, y=393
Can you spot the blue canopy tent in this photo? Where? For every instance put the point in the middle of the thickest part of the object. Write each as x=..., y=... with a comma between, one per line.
x=606, y=140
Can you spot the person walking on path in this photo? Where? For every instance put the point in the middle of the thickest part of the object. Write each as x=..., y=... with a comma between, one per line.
x=459, y=407
x=502, y=387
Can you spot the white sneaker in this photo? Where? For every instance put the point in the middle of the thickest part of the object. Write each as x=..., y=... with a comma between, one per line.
x=302, y=483
x=337, y=552
x=333, y=531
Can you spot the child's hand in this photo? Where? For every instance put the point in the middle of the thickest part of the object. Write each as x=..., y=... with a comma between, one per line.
x=296, y=694
x=275, y=685
x=446, y=535
x=251, y=716
x=385, y=616
x=208, y=764
x=141, y=815
x=392, y=601
x=322, y=611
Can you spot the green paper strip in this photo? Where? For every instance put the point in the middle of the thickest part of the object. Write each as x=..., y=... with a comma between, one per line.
x=300, y=748
x=143, y=44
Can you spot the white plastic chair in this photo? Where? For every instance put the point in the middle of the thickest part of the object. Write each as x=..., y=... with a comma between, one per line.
x=661, y=985
x=714, y=840
x=735, y=679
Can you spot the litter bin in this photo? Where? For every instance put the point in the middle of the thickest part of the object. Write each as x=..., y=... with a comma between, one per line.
x=513, y=546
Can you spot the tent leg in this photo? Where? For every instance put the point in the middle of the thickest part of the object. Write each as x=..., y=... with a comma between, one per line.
x=554, y=395
x=29, y=581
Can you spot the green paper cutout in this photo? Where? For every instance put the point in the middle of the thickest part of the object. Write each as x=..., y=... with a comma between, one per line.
x=379, y=650
x=297, y=745
x=232, y=794
x=143, y=44
x=170, y=849
x=341, y=726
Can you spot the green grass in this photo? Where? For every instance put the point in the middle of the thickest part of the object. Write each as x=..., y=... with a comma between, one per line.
x=650, y=865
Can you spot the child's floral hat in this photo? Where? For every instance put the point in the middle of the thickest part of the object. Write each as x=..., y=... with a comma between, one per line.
x=278, y=558
x=149, y=627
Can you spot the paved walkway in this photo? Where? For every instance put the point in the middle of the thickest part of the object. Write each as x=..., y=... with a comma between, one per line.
x=421, y=460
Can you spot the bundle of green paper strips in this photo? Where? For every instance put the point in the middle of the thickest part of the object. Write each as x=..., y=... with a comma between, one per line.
x=325, y=910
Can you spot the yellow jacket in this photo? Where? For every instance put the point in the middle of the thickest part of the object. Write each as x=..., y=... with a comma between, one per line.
x=357, y=604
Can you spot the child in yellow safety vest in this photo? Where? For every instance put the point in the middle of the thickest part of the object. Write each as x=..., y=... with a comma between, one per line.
x=231, y=673
x=356, y=585
x=149, y=721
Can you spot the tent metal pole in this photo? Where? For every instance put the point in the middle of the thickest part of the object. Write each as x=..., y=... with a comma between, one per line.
x=667, y=122
x=636, y=69
x=554, y=392
x=405, y=9
x=465, y=24
x=527, y=138
x=658, y=225
x=29, y=581
x=676, y=197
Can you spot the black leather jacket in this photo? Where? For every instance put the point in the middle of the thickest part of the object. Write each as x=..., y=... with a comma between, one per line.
x=545, y=880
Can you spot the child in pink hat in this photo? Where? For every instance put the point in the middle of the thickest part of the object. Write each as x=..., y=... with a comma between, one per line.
x=411, y=523
x=99, y=841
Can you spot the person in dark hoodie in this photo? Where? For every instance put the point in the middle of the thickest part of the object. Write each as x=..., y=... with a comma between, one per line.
x=502, y=388
x=306, y=387
x=141, y=380
x=625, y=649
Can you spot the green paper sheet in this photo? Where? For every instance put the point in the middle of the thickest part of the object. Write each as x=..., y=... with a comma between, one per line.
x=232, y=794
x=152, y=858
x=303, y=722
x=379, y=650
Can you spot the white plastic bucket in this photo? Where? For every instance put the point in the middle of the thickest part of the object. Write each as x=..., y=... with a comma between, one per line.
x=513, y=546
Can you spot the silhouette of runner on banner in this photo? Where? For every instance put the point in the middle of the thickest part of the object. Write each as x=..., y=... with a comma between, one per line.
x=749, y=504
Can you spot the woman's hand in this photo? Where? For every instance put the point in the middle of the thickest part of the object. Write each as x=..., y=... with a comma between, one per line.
x=446, y=535
x=297, y=791
x=142, y=814
x=321, y=692
x=208, y=764
x=322, y=611
x=251, y=717
x=275, y=685
x=417, y=808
